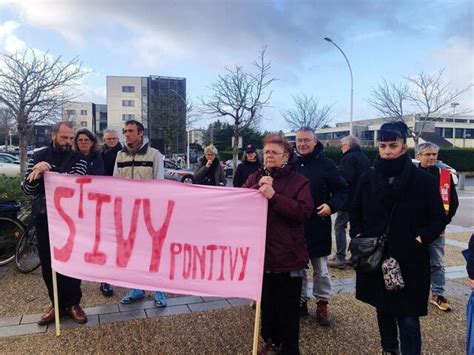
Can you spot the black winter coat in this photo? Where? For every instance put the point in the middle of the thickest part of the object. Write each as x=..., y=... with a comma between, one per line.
x=244, y=170
x=108, y=156
x=418, y=212
x=353, y=164
x=453, y=196
x=327, y=186
x=95, y=164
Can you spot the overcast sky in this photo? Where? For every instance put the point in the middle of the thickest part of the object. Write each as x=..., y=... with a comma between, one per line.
x=196, y=39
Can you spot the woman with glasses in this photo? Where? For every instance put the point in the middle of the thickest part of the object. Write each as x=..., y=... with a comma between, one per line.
x=86, y=143
x=289, y=205
x=209, y=170
x=396, y=188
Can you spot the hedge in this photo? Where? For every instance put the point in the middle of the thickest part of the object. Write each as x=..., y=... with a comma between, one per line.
x=10, y=190
x=461, y=159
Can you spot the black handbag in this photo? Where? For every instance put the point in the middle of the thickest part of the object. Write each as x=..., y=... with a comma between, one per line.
x=367, y=253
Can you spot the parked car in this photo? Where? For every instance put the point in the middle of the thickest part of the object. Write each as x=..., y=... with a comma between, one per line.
x=174, y=172
x=9, y=158
x=229, y=167
x=440, y=164
x=9, y=167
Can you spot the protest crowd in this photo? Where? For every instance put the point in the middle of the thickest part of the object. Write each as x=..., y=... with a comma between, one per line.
x=394, y=212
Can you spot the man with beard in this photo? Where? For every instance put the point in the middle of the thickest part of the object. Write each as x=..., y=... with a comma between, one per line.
x=57, y=157
x=137, y=160
x=329, y=191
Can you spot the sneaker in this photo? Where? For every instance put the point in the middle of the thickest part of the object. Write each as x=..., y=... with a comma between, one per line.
x=303, y=308
x=133, y=296
x=106, y=289
x=322, y=313
x=160, y=300
x=337, y=264
x=440, y=302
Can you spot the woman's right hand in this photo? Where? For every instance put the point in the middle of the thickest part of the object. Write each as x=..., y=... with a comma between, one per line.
x=470, y=283
x=266, y=180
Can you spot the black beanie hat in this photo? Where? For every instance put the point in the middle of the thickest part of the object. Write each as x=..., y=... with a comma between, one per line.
x=391, y=131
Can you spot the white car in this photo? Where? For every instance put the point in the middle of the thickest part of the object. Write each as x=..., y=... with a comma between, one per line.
x=174, y=172
x=440, y=164
x=9, y=165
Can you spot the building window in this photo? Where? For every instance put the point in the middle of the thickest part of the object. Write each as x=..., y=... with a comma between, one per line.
x=128, y=117
x=128, y=88
x=459, y=133
x=83, y=112
x=439, y=131
x=469, y=133
x=128, y=103
x=448, y=133
x=83, y=123
x=71, y=112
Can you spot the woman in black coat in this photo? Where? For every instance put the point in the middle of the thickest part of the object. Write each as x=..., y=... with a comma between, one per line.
x=250, y=164
x=209, y=170
x=418, y=219
x=86, y=143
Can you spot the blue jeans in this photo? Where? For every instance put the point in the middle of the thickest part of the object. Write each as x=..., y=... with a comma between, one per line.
x=410, y=333
x=321, y=280
x=340, y=226
x=438, y=279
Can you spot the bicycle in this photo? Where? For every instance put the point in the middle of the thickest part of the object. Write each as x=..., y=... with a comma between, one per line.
x=26, y=254
x=11, y=230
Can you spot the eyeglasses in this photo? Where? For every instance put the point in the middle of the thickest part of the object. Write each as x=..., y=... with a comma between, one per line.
x=111, y=139
x=429, y=154
x=304, y=140
x=272, y=152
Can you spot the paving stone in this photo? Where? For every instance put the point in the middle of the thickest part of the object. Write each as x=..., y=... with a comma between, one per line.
x=458, y=290
x=136, y=306
x=239, y=301
x=22, y=329
x=121, y=316
x=31, y=318
x=212, y=298
x=113, y=308
x=207, y=306
x=167, y=311
x=183, y=300
x=68, y=323
x=5, y=322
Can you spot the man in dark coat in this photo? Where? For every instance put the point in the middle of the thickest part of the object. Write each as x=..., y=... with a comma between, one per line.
x=57, y=157
x=329, y=192
x=395, y=186
x=427, y=154
x=109, y=150
x=353, y=164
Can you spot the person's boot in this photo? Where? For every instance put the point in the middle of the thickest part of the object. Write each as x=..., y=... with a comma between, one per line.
x=322, y=314
x=338, y=263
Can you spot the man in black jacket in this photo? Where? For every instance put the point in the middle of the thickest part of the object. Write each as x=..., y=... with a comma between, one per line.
x=427, y=154
x=329, y=192
x=353, y=164
x=109, y=150
x=57, y=157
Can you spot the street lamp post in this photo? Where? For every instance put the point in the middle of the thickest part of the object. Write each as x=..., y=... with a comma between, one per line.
x=352, y=81
x=453, y=106
x=187, y=131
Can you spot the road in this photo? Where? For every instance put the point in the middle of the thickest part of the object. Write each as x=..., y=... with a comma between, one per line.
x=465, y=214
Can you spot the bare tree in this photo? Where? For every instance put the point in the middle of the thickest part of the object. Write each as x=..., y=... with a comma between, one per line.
x=423, y=97
x=34, y=87
x=307, y=113
x=240, y=96
x=389, y=98
x=6, y=124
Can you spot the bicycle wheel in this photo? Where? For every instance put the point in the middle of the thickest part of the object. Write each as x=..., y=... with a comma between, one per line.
x=10, y=232
x=26, y=255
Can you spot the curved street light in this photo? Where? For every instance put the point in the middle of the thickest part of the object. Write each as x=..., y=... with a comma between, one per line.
x=352, y=81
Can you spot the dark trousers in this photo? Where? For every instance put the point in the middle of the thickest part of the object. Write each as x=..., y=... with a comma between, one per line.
x=280, y=310
x=410, y=334
x=69, y=289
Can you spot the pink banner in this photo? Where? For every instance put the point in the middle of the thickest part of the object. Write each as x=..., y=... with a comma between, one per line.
x=157, y=235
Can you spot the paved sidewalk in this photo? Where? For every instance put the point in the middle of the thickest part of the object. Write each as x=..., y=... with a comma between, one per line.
x=26, y=324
